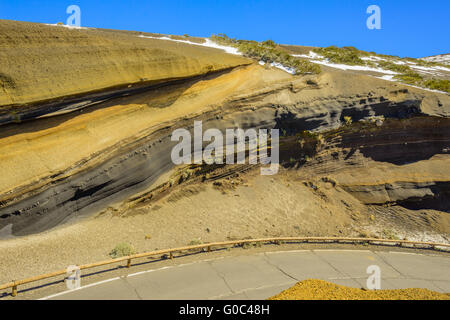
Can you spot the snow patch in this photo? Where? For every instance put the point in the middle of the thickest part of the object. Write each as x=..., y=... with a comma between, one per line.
x=208, y=43
x=424, y=69
x=388, y=74
x=284, y=68
x=387, y=77
x=442, y=68
x=66, y=26
x=315, y=58
x=399, y=62
x=356, y=68
x=442, y=58
x=311, y=55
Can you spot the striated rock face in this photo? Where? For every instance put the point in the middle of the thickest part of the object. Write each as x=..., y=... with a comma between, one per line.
x=411, y=195
x=69, y=165
x=401, y=161
x=131, y=165
x=41, y=63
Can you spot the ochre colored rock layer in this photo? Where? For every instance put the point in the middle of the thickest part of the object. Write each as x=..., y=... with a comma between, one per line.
x=40, y=62
x=323, y=290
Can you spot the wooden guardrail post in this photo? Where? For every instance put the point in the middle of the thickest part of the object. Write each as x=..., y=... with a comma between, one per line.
x=128, y=263
x=14, y=290
x=209, y=248
x=171, y=255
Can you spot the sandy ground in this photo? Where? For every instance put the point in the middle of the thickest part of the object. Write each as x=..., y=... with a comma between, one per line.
x=322, y=290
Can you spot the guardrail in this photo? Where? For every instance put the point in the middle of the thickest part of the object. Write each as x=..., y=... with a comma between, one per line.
x=15, y=283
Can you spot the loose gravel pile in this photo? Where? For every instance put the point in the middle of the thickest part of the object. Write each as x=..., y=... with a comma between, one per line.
x=323, y=290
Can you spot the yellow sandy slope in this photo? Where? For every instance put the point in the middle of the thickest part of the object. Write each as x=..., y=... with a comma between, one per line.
x=40, y=62
x=51, y=145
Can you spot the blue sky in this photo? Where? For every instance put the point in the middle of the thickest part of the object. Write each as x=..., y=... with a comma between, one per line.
x=409, y=28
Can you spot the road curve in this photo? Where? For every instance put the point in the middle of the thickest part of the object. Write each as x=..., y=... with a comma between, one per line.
x=259, y=276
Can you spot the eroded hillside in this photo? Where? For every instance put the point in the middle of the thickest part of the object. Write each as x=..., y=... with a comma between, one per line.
x=360, y=155
x=42, y=63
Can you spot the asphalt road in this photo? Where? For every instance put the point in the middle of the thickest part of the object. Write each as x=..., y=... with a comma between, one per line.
x=263, y=275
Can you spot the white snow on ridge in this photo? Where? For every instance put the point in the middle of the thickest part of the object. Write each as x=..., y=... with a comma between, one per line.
x=357, y=68
x=227, y=49
x=388, y=74
x=442, y=68
x=443, y=58
x=434, y=68
x=314, y=56
x=284, y=68
x=66, y=26
x=208, y=43
x=399, y=62
x=311, y=55
x=373, y=58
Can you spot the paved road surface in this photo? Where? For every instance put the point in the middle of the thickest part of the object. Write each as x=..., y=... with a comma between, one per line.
x=260, y=276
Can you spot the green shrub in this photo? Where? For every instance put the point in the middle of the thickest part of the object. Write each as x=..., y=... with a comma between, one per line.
x=424, y=63
x=269, y=43
x=438, y=84
x=360, y=53
x=383, y=55
x=268, y=52
x=400, y=68
x=345, y=55
x=222, y=39
x=410, y=78
x=303, y=66
x=389, y=234
x=121, y=250
x=348, y=120
x=352, y=56
x=195, y=242
x=247, y=245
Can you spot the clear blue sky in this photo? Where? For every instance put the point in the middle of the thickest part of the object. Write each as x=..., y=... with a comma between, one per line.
x=409, y=28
